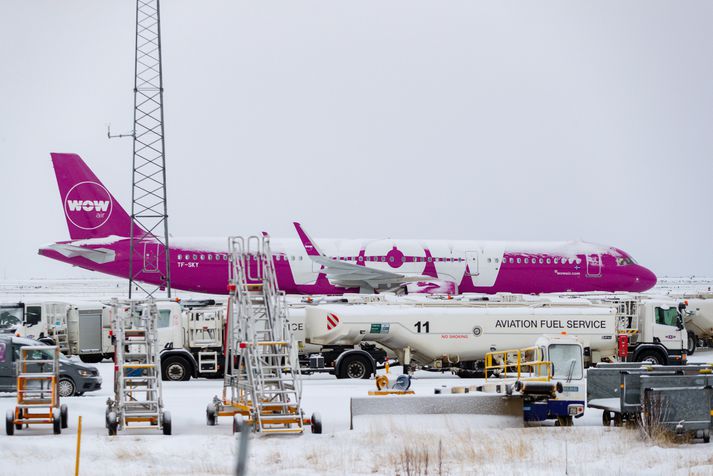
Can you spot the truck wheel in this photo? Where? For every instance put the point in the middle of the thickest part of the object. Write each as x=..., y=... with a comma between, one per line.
x=10, y=422
x=652, y=356
x=64, y=415
x=176, y=369
x=692, y=341
x=66, y=387
x=356, y=367
x=706, y=436
x=91, y=358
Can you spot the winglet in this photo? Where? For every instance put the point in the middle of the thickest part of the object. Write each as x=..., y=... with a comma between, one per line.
x=310, y=246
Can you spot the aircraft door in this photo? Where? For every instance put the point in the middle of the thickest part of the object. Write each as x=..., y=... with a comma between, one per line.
x=151, y=257
x=471, y=260
x=594, y=265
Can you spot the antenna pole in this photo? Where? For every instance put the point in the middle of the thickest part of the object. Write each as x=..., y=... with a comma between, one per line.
x=149, y=247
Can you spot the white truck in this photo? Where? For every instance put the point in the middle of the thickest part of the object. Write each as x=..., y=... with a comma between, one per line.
x=456, y=335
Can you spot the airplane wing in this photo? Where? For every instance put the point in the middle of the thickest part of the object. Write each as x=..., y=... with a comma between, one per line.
x=98, y=255
x=349, y=274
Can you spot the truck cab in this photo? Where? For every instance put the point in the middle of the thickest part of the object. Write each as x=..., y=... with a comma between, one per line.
x=11, y=316
x=566, y=355
x=661, y=336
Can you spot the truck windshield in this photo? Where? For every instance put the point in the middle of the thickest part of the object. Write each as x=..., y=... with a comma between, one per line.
x=10, y=316
x=566, y=358
x=667, y=317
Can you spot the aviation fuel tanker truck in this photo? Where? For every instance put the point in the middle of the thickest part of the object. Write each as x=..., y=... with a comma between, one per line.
x=456, y=336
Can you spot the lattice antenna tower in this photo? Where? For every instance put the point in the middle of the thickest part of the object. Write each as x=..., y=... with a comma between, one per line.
x=149, y=205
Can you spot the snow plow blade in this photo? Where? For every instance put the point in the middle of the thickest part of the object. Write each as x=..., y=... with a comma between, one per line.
x=483, y=410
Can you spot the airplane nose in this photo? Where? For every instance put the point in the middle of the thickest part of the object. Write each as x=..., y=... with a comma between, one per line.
x=644, y=279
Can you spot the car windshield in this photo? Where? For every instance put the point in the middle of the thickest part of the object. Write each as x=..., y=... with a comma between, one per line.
x=566, y=358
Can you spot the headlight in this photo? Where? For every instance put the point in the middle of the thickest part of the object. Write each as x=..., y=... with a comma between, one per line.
x=85, y=373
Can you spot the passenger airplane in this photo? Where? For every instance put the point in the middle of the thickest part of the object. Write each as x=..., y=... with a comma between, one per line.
x=99, y=229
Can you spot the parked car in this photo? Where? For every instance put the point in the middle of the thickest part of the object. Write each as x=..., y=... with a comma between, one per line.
x=75, y=378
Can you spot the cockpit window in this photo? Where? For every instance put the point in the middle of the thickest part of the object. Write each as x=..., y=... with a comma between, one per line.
x=624, y=261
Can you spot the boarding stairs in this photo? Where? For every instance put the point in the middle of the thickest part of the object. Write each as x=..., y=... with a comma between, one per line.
x=262, y=378
x=138, y=400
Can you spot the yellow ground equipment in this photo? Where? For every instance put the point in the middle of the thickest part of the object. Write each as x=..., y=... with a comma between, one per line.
x=262, y=386
x=526, y=364
x=37, y=391
x=138, y=400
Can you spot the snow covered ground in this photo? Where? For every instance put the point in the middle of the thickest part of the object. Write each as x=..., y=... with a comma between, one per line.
x=410, y=445
x=387, y=446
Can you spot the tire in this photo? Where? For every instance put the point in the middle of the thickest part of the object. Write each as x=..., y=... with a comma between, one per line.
x=91, y=358
x=10, y=422
x=618, y=419
x=238, y=423
x=606, y=418
x=56, y=421
x=66, y=387
x=112, y=423
x=316, y=423
x=211, y=415
x=692, y=342
x=166, y=423
x=18, y=426
x=706, y=436
x=64, y=414
x=652, y=356
x=175, y=369
x=355, y=367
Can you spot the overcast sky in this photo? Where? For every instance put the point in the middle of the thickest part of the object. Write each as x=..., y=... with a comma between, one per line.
x=512, y=120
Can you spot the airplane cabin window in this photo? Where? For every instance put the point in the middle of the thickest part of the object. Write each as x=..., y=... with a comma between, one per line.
x=518, y=261
x=489, y=260
x=195, y=257
x=210, y=257
x=557, y=260
x=549, y=261
x=180, y=257
x=527, y=261
x=541, y=261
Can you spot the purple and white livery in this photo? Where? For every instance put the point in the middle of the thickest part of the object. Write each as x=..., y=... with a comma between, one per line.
x=99, y=229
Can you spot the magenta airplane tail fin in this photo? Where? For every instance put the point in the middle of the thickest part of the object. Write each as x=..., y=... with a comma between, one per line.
x=91, y=211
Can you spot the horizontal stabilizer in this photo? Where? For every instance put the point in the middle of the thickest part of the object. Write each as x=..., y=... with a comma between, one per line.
x=98, y=255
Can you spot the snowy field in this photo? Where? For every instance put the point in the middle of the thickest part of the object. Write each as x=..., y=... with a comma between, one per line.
x=409, y=445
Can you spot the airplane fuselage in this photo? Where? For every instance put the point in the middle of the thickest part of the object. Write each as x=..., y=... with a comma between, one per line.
x=202, y=265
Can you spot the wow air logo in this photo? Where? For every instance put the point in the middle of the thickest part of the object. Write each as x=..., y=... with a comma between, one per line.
x=88, y=205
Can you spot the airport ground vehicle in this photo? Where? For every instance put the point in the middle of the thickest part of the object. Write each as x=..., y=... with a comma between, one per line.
x=75, y=378
x=677, y=397
x=193, y=345
x=550, y=376
x=456, y=335
x=37, y=390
